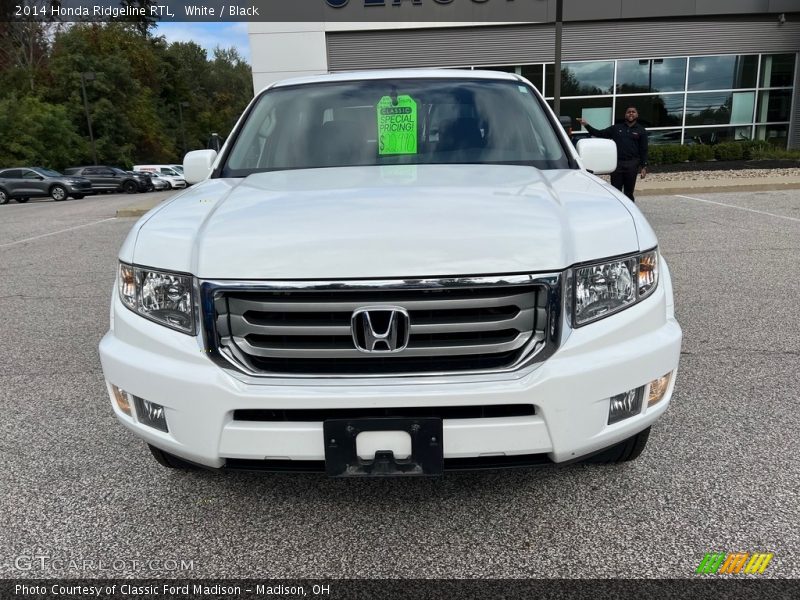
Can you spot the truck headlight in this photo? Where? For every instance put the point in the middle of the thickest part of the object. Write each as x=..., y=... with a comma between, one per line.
x=163, y=297
x=602, y=289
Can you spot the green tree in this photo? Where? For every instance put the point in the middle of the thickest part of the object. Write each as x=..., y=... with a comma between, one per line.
x=139, y=89
x=124, y=109
x=35, y=132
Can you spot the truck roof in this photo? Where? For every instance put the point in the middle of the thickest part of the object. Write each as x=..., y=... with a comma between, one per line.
x=397, y=74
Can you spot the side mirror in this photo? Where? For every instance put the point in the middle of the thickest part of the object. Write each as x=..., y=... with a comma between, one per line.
x=197, y=165
x=598, y=156
x=566, y=123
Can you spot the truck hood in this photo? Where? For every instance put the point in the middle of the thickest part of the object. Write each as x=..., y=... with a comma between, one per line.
x=387, y=222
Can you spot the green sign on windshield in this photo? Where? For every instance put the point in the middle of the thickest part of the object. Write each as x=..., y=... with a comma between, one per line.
x=397, y=126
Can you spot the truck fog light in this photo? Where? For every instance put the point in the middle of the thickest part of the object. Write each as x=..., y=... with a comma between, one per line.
x=123, y=399
x=658, y=389
x=151, y=414
x=625, y=405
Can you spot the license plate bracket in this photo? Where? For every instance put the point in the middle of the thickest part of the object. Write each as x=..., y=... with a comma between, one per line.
x=341, y=455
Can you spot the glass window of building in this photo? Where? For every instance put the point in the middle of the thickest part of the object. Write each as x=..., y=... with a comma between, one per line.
x=777, y=70
x=503, y=68
x=598, y=111
x=722, y=72
x=713, y=108
x=651, y=75
x=533, y=73
x=664, y=136
x=662, y=110
x=774, y=105
x=717, y=135
x=582, y=78
x=776, y=135
x=702, y=99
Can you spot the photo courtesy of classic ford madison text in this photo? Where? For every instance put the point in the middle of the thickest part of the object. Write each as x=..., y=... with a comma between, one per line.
x=393, y=273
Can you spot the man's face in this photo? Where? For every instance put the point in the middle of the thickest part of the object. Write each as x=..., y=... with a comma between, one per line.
x=631, y=115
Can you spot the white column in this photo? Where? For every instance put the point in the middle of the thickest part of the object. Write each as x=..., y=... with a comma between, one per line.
x=284, y=50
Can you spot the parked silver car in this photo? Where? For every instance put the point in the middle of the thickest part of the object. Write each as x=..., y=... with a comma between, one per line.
x=159, y=183
x=25, y=183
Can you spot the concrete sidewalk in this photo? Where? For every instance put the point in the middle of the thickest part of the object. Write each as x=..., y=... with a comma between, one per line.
x=644, y=187
x=654, y=187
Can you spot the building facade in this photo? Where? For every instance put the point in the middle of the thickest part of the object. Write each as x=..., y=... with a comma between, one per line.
x=699, y=71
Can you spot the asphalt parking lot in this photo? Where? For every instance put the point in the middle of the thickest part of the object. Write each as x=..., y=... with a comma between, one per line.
x=720, y=472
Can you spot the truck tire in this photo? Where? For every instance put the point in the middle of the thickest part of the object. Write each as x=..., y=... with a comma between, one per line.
x=165, y=459
x=58, y=193
x=3, y=196
x=625, y=451
x=130, y=187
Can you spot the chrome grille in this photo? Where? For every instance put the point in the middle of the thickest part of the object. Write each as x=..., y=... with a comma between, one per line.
x=453, y=328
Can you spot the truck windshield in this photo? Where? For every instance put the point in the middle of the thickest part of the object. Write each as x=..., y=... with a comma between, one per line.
x=395, y=122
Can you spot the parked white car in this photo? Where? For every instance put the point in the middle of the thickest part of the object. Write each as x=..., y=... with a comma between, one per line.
x=393, y=273
x=175, y=178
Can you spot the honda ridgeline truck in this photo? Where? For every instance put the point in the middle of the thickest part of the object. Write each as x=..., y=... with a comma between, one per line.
x=393, y=273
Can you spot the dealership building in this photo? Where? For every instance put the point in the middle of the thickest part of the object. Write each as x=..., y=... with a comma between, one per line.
x=699, y=71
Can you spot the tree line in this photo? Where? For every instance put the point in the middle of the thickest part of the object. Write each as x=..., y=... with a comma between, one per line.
x=139, y=89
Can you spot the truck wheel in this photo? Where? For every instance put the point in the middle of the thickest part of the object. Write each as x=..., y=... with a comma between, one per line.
x=130, y=187
x=625, y=451
x=58, y=193
x=3, y=197
x=21, y=200
x=165, y=459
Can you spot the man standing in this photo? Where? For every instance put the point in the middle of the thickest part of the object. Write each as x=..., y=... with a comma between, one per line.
x=631, y=141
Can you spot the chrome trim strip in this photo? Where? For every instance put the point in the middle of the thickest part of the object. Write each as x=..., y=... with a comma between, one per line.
x=536, y=352
x=375, y=284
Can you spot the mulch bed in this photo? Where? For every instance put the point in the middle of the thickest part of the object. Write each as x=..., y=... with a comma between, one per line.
x=724, y=165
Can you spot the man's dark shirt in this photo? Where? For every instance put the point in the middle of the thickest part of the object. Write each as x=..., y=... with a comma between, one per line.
x=631, y=141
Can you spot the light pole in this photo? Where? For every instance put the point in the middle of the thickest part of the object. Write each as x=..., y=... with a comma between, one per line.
x=181, y=106
x=88, y=76
x=650, y=62
x=557, y=65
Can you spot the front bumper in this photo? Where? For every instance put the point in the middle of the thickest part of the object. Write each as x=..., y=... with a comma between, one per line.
x=570, y=391
x=79, y=188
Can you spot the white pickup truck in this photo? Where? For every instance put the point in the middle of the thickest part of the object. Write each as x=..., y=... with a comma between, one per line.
x=393, y=273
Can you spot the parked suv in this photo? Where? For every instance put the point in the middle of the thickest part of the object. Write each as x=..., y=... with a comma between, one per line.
x=33, y=182
x=112, y=179
x=393, y=273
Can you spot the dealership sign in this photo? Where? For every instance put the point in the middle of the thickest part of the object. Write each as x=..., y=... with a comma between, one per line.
x=437, y=10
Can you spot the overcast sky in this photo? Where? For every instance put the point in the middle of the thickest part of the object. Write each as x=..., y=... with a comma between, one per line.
x=208, y=35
